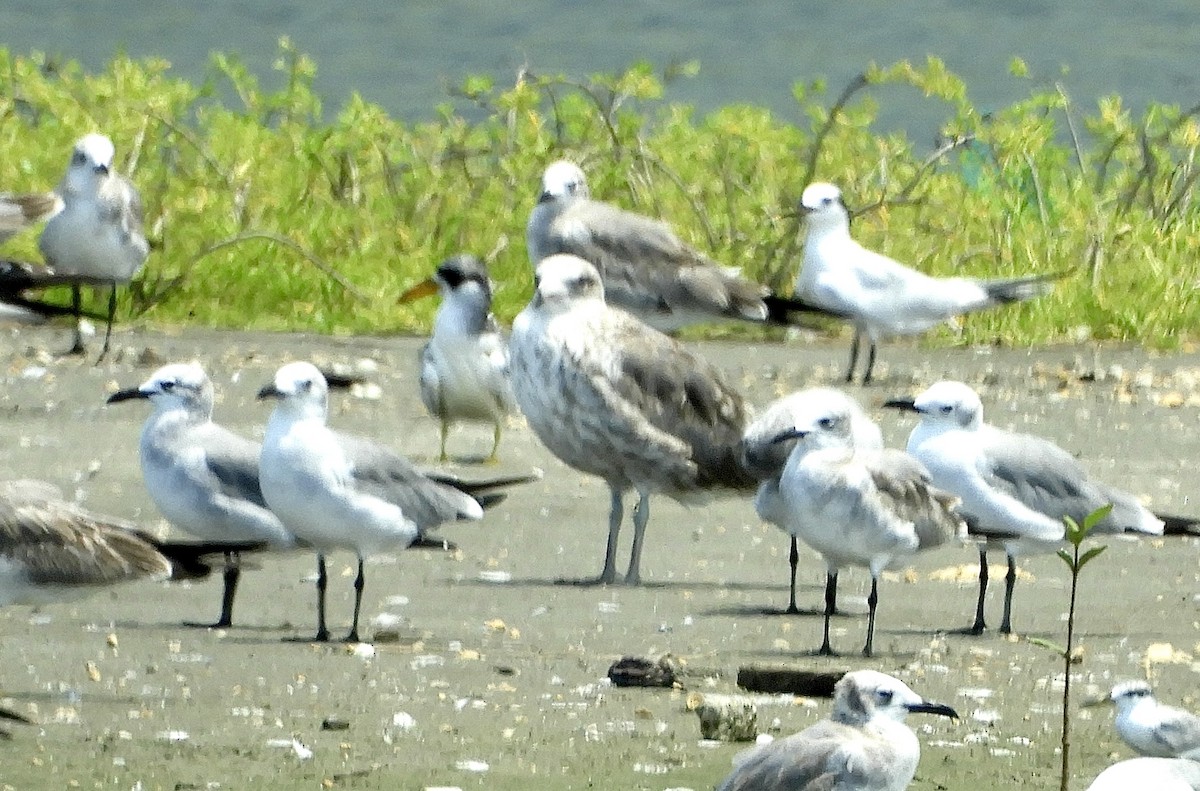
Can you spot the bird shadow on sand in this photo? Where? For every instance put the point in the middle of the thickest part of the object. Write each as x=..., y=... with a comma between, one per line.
x=587, y=583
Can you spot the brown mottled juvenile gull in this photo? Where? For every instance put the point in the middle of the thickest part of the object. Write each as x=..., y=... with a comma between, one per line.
x=97, y=239
x=612, y=397
x=464, y=366
x=863, y=746
x=646, y=268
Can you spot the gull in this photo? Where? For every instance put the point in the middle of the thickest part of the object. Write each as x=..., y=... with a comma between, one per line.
x=464, y=366
x=18, y=277
x=202, y=477
x=18, y=211
x=765, y=458
x=1015, y=488
x=97, y=238
x=1151, y=728
x=863, y=746
x=857, y=506
x=336, y=491
x=1160, y=774
x=615, y=398
x=883, y=297
x=646, y=268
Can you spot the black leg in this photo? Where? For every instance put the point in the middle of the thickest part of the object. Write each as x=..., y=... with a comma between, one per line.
x=233, y=572
x=794, y=560
x=322, y=583
x=1010, y=582
x=830, y=602
x=870, y=363
x=77, y=314
x=360, y=582
x=112, y=311
x=872, y=601
x=853, y=357
x=980, y=626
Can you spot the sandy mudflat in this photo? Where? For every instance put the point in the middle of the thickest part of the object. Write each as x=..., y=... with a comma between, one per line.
x=508, y=676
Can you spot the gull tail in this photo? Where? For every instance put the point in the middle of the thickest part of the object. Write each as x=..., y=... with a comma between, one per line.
x=1179, y=525
x=482, y=491
x=795, y=312
x=1017, y=289
x=192, y=560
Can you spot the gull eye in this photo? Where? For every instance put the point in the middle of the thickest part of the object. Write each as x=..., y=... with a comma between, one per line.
x=945, y=409
x=168, y=386
x=827, y=422
x=78, y=158
x=885, y=696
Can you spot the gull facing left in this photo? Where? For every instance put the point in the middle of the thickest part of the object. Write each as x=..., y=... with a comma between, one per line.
x=97, y=238
x=858, y=506
x=863, y=746
x=612, y=397
x=1151, y=728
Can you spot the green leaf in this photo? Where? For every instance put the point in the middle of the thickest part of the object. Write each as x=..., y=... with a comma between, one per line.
x=1086, y=557
x=1048, y=644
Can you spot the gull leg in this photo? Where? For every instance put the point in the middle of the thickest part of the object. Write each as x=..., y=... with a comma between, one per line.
x=870, y=362
x=445, y=432
x=112, y=311
x=77, y=313
x=853, y=356
x=615, y=514
x=1010, y=582
x=872, y=602
x=641, y=515
x=493, y=458
x=830, y=603
x=980, y=625
x=232, y=574
x=360, y=582
x=794, y=560
x=322, y=583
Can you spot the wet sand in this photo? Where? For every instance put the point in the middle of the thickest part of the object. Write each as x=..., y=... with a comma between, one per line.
x=493, y=664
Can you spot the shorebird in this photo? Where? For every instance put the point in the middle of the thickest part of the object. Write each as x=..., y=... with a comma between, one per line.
x=1015, y=488
x=1160, y=774
x=336, y=491
x=464, y=366
x=97, y=239
x=881, y=296
x=863, y=746
x=645, y=267
x=1150, y=728
x=857, y=507
x=614, y=398
x=202, y=477
x=765, y=458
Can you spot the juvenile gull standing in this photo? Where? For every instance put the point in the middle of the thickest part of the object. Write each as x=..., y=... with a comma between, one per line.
x=336, y=491
x=863, y=746
x=612, y=397
x=857, y=506
x=202, y=477
x=97, y=238
x=1151, y=728
x=765, y=458
x=464, y=366
x=1015, y=488
x=645, y=267
x=883, y=297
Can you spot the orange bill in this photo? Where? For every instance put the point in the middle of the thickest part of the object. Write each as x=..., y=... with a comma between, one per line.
x=419, y=291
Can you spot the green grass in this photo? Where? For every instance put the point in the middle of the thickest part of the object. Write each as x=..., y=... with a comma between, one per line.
x=253, y=198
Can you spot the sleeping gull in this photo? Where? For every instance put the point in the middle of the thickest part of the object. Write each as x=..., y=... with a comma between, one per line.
x=202, y=477
x=882, y=297
x=863, y=746
x=765, y=458
x=646, y=268
x=336, y=491
x=464, y=366
x=1159, y=774
x=1151, y=728
x=96, y=239
x=1015, y=488
x=857, y=506
x=612, y=397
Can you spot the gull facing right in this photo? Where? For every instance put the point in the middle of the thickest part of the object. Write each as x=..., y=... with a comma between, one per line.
x=615, y=398
x=881, y=296
x=863, y=746
x=464, y=366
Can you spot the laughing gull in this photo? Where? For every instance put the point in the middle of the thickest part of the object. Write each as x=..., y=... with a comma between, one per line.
x=882, y=297
x=97, y=238
x=1015, y=488
x=765, y=458
x=1152, y=729
x=18, y=211
x=464, y=366
x=202, y=477
x=863, y=746
x=336, y=491
x=1159, y=774
x=612, y=397
x=857, y=506
x=646, y=268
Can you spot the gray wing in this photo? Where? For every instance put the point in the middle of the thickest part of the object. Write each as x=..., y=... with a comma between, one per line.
x=824, y=757
x=429, y=382
x=903, y=488
x=233, y=463
x=646, y=268
x=1179, y=732
x=381, y=473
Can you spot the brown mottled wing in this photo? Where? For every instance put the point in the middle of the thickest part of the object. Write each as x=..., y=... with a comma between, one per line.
x=823, y=757
x=904, y=484
x=683, y=395
x=20, y=211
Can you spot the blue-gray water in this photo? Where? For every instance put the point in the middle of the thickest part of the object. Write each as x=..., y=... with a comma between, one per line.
x=404, y=54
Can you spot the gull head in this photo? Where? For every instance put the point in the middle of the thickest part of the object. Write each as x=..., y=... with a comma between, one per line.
x=563, y=180
x=765, y=457
x=822, y=204
x=562, y=281
x=91, y=158
x=175, y=386
x=458, y=277
x=823, y=420
x=1128, y=694
x=863, y=695
x=949, y=404
x=301, y=390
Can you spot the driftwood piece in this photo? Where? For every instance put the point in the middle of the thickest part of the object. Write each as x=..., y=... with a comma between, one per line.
x=809, y=683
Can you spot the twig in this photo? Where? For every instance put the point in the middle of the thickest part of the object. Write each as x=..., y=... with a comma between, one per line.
x=329, y=271
x=857, y=84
